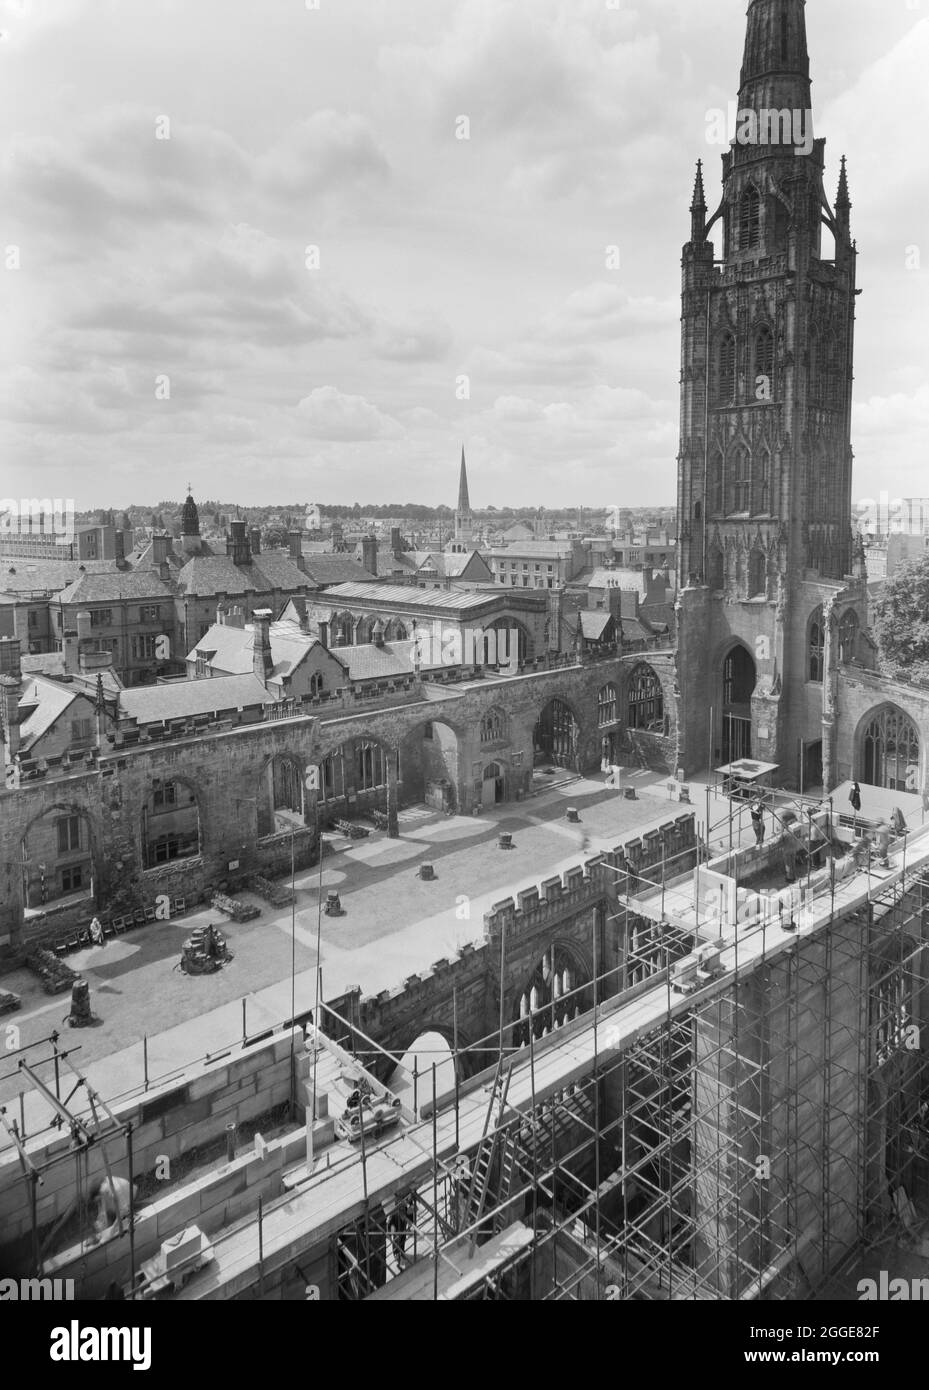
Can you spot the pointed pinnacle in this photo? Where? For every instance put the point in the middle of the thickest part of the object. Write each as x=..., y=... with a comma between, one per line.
x=699, y=200
x=842, y=199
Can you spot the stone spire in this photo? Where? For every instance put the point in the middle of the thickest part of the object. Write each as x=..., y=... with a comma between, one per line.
x=463, y=523
x=776, y=64
x=698, y=208
x=464, y=505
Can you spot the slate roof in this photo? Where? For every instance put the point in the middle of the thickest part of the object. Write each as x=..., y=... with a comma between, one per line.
x=594, y=624
x=323, y=570
x=51, y=701
x=111, y=588
x=19, y=575
x=407, y=597
x=150, y=704
x=230, y=649
x=204, y=576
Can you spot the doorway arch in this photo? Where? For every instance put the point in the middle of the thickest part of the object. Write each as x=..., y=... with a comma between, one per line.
x=738, y=679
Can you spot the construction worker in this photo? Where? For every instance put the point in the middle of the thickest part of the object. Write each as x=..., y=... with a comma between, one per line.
x=758, y=822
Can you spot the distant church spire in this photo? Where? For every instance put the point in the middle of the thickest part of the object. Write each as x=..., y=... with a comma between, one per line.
x=463, y=520
x=464, y=504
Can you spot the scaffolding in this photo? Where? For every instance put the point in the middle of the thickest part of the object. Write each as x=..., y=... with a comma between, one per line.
x=762, y=1135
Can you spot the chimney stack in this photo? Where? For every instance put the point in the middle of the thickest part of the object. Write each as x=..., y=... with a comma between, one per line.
x=11, y=686
x=262, y=661
x=369, y=554
x=396, y=541
x=254, y=536
x=70, y=651
x=323, y=627
x=160, y=549
x=295, y=541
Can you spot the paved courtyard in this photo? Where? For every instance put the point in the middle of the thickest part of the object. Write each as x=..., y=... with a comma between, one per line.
x=395, y=925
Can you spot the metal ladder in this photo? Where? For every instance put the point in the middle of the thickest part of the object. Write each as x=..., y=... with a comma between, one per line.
x=487, y=1149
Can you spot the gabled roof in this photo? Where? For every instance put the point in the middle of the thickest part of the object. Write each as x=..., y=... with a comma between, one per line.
x=51, y=701
x=594, y=623
x=231, y=648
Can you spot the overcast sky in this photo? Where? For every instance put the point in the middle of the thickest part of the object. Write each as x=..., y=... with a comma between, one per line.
x=180, y=264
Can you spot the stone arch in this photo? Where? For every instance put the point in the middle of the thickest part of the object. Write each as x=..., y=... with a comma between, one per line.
x=58, y=855
x=644, y=699
x=556, y=990
x=282, y=796
x=396, y=631
x=607, y=705
x=816, y=646
x=355, y=775
x=556, y=737
x=738, y=676
x=399, y=1044
x=757, y=573
x=749, y=214
x=171, y=824
x=342, y=629
x=849, y=631
x=763, y=349
x=888, y=749
x=364, y=629
x=430, y=765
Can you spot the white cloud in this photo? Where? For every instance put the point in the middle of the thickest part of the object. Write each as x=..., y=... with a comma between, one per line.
x=328, y=414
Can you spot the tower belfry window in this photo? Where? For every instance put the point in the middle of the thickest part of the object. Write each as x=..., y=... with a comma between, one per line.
x=764, y=355
x=750, y=219
x=725, y=370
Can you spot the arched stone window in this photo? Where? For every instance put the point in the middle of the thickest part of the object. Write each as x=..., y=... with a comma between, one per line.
x=848, y=636
x=764, y=483
x=890, y=751
x=370, y=765
x=894, y=973
x=741, y=480
x=316, y=684
x=764, y=358
x=716, y=569
x=170, y=823
x=757, y=574
x=750, y=219
x=725, y=370
x=716, y=483
x=606, y=705
x=493, y=726
x=816, y=646
x=644, y=699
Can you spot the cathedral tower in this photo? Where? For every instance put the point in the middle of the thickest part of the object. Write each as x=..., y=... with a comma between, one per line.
x=765, y=461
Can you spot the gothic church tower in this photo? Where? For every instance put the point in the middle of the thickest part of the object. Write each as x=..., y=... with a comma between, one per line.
x=765, y=461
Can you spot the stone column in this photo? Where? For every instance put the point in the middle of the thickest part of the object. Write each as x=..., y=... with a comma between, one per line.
x=393, y=828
